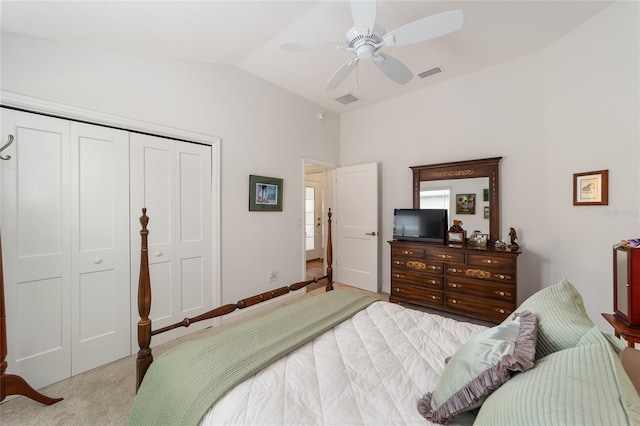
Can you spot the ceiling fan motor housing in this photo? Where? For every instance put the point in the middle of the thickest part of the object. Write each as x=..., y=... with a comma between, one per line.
x=363, y=42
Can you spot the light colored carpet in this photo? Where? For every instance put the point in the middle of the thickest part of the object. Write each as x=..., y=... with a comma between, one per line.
x=102, y=396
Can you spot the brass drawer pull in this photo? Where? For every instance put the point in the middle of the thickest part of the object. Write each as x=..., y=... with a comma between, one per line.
x=503, y=276
x=454, y=301
x=489, y=261
x=398, y=289
x=432, y=282
x=434, y=297
x=502, y=311
x=454, y=270
x=444, y=256
x=406, y=252
x=433, y=267
x=397, y=262
x=502, y=293
x=398, y=275
x=455, y=285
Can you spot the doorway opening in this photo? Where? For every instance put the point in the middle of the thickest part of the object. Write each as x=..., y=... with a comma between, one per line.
x=315, y=220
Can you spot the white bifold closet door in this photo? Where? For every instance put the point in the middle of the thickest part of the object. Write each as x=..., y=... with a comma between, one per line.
x=172, y=179
x=65, y=240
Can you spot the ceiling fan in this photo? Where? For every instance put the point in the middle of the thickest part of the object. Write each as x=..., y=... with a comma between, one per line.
x=367, y=37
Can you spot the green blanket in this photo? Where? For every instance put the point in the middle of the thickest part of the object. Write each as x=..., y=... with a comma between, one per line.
x=184, y=382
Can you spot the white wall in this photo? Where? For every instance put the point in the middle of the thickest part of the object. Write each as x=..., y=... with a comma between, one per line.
x=570, y=108
x=265, y=130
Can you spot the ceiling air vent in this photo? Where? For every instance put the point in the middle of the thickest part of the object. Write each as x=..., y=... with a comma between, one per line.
x=430, y=72
x=347, y=99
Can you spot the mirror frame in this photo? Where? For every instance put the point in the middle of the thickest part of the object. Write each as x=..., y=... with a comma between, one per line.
x=486, y=167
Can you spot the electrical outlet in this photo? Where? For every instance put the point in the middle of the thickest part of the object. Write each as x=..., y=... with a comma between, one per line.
x=273, y=276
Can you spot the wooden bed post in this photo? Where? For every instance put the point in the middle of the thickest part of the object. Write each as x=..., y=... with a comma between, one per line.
x=10, y=384
x=145, y=358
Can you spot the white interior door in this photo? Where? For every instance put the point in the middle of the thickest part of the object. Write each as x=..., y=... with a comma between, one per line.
x=357, y=226
x=100, y=246
x=36, y=243
x=172, y=179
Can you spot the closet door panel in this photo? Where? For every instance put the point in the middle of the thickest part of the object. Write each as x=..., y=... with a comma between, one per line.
x=100, y=246
x=36, y=246
x=152, y=186
x=173, y=180
x=194, y=219
x=161, y=289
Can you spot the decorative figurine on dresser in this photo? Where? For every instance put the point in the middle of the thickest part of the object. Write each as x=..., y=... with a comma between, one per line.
x=477, y=282
x=626, y=291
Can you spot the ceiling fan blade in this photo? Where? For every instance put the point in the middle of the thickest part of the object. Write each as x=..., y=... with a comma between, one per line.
x=342, y=73
x=393, y=68
x=312, y=46
x=364, y=13
x=426, y=28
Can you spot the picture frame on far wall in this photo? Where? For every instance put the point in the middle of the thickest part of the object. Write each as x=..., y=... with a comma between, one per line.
x=265, y=193
x=465, y=203
x=591, y=188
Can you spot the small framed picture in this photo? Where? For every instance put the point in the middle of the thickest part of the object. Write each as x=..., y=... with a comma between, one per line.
x=591, y=188
x=487, y=215
x=265, y=193
x=455, y=237
x=466, y=204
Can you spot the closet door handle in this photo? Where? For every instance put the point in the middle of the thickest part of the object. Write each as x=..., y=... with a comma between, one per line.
x=97, y=260
x=373, y=234
x=157, y=254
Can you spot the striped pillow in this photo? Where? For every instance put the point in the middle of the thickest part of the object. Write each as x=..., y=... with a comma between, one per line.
x=583, y=385
x=562, y=317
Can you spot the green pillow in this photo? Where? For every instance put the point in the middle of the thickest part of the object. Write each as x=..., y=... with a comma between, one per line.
x=562, y=317
x=583, y=385
x=481, y=366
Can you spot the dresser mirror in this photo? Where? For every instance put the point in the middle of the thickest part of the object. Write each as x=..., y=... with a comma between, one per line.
x=466, y=182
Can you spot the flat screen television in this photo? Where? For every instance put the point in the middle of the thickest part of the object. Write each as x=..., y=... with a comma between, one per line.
x=429, y=225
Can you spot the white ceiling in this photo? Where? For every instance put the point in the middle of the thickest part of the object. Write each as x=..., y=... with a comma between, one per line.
x=247, y=34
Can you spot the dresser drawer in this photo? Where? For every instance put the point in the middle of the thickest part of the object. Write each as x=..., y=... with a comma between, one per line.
x=445, y=255
x=407, y=251
x=419, y=295
x=416, y=278
x=479, y=307
x=487, y=259
x=418, y=265
x=480, y=273
x=489, y=290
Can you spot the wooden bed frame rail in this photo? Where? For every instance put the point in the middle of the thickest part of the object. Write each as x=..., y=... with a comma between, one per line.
x=145, y=357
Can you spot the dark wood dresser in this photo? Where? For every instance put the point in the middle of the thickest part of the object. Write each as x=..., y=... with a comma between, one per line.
x=478, y=283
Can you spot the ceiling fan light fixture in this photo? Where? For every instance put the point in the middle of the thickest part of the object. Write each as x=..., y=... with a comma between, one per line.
x=347, y=99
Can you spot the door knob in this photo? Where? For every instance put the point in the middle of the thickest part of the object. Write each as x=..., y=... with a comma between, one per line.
x=373, y=234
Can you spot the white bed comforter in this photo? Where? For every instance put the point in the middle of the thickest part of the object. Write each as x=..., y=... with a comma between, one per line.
x=370, y=369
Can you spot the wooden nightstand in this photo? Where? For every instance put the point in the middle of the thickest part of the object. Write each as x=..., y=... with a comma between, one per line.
x=630, y=334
